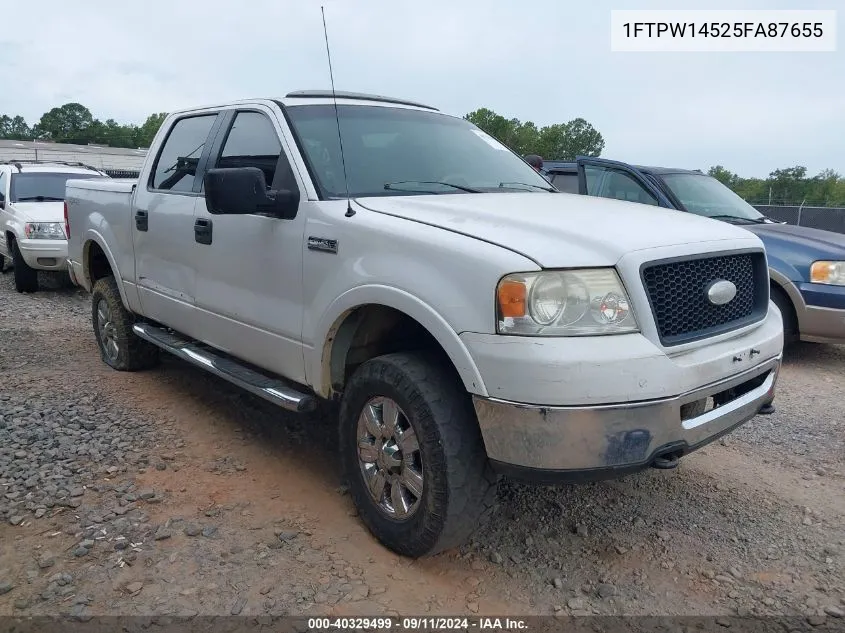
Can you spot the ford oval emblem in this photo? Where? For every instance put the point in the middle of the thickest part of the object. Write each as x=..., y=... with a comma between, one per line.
x=721, y=292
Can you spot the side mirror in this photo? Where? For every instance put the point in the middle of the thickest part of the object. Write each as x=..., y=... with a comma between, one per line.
x=243, y=190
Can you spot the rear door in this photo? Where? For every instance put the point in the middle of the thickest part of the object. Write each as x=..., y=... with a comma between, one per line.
x=619, y=181
x=163, y=222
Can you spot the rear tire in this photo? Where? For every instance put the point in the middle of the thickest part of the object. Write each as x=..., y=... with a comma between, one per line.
x=434, y=454
x=2, y=264
x=119, y=346
x=787, y=310
x=26, y=278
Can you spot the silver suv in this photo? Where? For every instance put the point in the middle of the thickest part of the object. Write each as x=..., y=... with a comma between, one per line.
x=33, y=234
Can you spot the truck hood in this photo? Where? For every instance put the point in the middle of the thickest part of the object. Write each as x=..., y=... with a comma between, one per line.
x=48, y=211
x=815, y=242
x=558, y=229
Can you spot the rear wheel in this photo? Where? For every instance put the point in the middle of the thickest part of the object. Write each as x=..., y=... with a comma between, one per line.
x=119, y=346
x=2, y=264
x=26, y=278
x=787, y=310
x=413, y=454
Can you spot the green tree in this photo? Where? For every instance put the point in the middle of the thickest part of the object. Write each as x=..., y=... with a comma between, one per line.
x=565, y=141
x=561, y=141
x=789, y=184
x=724, y=176
x=146, y=133
x=66, y=123
x=14, y=128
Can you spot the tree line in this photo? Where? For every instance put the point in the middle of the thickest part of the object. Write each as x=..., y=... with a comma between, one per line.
x=74, y=123
x=789, y=186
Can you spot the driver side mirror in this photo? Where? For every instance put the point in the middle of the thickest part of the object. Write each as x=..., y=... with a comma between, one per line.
x=243, y=191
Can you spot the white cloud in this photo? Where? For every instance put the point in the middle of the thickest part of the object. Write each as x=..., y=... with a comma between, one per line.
x=546, y=61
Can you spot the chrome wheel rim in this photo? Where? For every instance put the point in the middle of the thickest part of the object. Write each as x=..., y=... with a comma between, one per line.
x=107, y=329
x=390, y=458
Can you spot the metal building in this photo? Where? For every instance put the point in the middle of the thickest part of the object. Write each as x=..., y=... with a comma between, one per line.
x=115, y=161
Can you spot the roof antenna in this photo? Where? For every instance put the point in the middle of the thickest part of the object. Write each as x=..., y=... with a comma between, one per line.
x=349, y=210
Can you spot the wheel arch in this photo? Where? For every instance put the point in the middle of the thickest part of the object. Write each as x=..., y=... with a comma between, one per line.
x=98, y=262
x=372, y=320
x=781, y=283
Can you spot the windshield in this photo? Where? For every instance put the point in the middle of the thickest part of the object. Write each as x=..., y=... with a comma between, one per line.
x=704, y=195
x=397, y=151
x=43, y=186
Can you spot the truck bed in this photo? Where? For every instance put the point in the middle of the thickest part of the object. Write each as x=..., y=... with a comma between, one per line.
x=103, y=208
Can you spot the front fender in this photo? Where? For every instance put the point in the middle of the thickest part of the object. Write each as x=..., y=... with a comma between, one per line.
x=409, y=305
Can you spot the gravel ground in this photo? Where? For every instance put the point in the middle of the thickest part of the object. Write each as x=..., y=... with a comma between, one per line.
x=170, y=492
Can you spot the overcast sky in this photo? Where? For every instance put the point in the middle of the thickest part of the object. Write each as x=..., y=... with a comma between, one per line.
x=543, y=61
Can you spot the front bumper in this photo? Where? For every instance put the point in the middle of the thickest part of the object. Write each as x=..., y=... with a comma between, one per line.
x=44, y=254
x=550, y=444
x=822, y=317
x=598, y=407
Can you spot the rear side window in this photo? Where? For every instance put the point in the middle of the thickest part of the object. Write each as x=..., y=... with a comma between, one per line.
x=176, y=165
x=252, y=142
x=568, y=183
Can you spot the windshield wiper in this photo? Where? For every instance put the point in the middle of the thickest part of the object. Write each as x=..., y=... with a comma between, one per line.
x=509, y=185
x=40, y=199
x=391, y=185
x=732, y=217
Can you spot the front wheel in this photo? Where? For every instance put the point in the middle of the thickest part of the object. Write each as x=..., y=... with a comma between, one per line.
x=26, y=278
x=119, y=346
x=413, y=454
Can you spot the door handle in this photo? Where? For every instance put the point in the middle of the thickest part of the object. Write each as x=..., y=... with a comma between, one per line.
x=202, y=230
x=142, y=220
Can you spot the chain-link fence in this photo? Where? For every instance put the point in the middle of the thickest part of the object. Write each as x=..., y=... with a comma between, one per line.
x=826, y=218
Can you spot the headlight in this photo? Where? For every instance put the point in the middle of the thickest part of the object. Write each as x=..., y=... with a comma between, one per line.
x=832, y=273
x=584, y=302
x=45, y=231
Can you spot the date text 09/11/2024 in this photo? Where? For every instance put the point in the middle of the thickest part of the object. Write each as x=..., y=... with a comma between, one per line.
x=416, y=624
x=724, y=29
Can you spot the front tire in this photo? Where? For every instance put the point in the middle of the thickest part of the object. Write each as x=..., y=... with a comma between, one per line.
x=119, y=346
x=413, y=454
x=26, y=278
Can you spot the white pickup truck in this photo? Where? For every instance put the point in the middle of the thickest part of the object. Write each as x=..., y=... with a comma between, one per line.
x=471, y=320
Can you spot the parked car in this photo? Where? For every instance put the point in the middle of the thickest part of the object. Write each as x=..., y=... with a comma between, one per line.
x=32, y=225
x=468, y=319
x=806, y=265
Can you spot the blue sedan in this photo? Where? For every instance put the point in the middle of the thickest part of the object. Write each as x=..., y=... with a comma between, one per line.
x=806, y=266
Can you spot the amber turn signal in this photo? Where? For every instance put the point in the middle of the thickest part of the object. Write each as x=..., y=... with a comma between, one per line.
x=512, y=298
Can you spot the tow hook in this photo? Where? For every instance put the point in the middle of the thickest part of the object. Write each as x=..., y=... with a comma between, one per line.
x=666, y=462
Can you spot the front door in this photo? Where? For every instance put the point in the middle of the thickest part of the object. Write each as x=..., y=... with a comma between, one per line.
x=249, y=267
x=616, y=180
x=162, y=224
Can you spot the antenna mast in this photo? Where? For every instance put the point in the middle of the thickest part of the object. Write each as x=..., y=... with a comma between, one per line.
x=349, y=210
